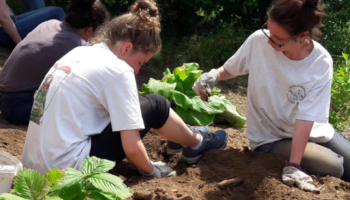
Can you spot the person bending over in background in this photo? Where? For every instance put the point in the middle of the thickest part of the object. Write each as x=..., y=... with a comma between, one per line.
x=289, y=88
x=88, y=104
x=15, y=28
x=34, y=56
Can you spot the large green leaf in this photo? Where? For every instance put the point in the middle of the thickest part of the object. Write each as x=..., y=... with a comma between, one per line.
x=231, y=114
x=194, y=117
x=98, y=195
x=7, y=196
x=29, y=184
x=71, y=190
x=94, y=165
x=112, y=184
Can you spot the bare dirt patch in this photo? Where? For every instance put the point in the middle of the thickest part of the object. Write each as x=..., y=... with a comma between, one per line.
x=261, y=173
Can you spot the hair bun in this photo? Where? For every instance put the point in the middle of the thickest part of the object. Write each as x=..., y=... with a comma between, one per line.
x=311, y=3
x=145, y=5
x=82, y=4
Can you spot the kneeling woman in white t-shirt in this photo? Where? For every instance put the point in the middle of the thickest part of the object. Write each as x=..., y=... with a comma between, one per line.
x=289, y=87
x=88, y=105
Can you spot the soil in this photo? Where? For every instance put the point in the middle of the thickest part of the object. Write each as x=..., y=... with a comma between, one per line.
x=260, y=173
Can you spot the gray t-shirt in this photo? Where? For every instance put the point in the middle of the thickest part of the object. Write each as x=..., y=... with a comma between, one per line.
x=281, y=90
x=36, y=54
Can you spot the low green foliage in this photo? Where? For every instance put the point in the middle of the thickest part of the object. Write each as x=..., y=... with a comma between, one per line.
x=209, y=50
x=93, y=182
x=340, y=101
x=177, y=88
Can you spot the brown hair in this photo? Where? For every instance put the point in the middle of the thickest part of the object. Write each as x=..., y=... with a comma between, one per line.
x=297, y=16
x=86, y=13
x=140, y=26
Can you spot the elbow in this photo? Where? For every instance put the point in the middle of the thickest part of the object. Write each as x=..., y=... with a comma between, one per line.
x=131, y=152
x=3, y=18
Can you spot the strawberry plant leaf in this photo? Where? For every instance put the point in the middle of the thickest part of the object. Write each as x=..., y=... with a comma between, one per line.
x=93, y=165
x=53, y=175
x=71, y=190
x=98, y=195
x=29, y=184
x=112, y=184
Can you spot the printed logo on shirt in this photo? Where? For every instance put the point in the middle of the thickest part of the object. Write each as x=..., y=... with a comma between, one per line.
x=40, y=96
x=296, y=93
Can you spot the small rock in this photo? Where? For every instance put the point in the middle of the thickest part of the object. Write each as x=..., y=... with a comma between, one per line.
x=178, y=195
x=246, y=148
x=142, y=195
x=187, y=198
x=168, y=198
x=159, y=194
x=122, y=177
x=174, y=190
x=160, y=189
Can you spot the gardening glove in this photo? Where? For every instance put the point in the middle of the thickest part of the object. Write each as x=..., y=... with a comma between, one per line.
x=160, y=169
x=205, y=84
x=292, y=175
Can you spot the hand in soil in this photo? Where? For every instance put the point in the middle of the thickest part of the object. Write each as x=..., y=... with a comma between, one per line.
x=292, y=175
x=160, y=169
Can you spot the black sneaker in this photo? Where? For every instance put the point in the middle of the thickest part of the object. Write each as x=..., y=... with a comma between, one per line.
x=174, y=148
x=216, y=140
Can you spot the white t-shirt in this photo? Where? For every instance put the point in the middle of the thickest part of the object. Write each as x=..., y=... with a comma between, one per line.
x=82, y=93
x=281, y=90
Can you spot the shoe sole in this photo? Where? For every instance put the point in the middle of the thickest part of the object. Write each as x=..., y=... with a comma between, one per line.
x=171, y=152
x=194, y=160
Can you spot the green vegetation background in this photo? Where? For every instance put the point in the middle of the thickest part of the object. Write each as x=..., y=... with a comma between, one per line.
x=210, y=31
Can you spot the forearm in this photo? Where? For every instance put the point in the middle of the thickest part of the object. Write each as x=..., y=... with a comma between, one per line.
x=301, y=136
x=224, y=74
x=135, y=150
x=10, y=28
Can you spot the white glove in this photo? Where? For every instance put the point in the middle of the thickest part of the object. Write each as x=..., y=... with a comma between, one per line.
x=292, y=175
x=205, y=84
x=160, y=169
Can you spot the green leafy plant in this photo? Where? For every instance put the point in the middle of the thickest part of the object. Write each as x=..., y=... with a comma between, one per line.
x=93, y=182
x=177, y=88
x=340, y=100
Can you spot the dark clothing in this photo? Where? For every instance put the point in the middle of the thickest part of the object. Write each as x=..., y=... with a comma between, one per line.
x=16, y=107
x=330, y=158
x=36, y=54
x=108, y=145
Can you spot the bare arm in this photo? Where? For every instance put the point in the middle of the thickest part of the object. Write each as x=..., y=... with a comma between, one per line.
x=224, y=74
x=135, y=150
x=7, y=23
x=301, y=136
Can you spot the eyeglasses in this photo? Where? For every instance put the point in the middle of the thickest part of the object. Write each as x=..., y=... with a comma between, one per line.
x=279, y=45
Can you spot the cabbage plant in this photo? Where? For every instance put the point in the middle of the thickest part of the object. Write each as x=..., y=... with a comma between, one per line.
x=177, y=88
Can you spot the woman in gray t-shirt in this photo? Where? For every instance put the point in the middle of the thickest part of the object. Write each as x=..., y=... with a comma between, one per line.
x=289, y=89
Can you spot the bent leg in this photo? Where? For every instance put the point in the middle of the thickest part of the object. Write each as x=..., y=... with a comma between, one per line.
x=340, y=145
x=28, y=21
x=16, y=107
x=108, y=144
x=316, y=160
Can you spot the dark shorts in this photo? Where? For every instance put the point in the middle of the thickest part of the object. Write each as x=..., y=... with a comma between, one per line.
x=16, y=106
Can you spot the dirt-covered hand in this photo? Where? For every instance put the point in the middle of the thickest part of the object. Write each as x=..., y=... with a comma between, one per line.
x=205, y=84
x=160, y=169
x=292, y=175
